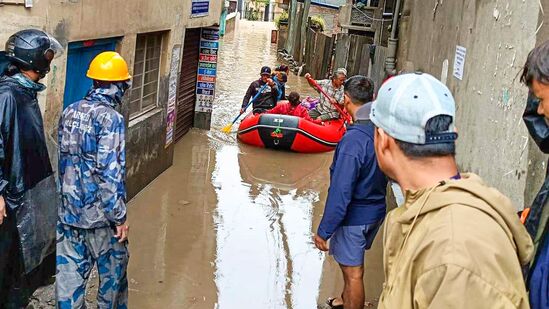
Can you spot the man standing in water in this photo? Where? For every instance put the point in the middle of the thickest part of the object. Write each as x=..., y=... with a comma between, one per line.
x=92, y=217
x=355, y=206
x=455, y=243
x=267, y=98
x=24, y=160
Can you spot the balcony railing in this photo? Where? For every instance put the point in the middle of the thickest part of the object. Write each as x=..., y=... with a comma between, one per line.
x=363, y=17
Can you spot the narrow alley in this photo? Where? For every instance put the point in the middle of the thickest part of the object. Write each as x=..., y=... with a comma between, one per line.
x=229, y=225
x=274, y=154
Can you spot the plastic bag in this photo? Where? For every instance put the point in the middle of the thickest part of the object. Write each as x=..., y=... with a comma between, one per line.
x=310, y=103
x=36, y=214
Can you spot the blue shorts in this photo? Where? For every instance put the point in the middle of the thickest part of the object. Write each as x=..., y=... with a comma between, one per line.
x=349, y=243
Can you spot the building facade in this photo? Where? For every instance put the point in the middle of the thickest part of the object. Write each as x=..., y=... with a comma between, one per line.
x=478, y=48
x=160, y=41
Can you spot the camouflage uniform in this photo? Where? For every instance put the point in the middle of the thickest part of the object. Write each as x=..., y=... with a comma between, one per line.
x=91, y=171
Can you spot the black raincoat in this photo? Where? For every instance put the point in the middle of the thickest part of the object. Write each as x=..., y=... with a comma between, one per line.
x=27, y=183
x=537, y=221
x=23, y=153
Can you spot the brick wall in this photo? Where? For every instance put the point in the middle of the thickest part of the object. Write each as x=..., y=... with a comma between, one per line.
x=330, y=17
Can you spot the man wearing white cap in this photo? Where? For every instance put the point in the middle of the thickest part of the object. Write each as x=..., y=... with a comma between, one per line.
x=455, y=243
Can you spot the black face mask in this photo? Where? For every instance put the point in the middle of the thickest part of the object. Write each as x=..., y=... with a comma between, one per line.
x=537, y=124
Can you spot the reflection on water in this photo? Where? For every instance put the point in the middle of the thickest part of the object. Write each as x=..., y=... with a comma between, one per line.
x=265, y=257
x=264, y=249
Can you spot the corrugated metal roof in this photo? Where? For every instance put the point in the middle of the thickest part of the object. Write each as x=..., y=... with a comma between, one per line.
x=331, y=3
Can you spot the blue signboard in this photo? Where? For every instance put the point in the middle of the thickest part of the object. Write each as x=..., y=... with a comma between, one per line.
x=206, y=85
x=200, y=8
x=208, y=44
x=206, y=72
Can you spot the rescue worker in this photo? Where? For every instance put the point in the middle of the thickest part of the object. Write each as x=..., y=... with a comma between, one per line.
x=281, y=74
x=281, y=80
x=536, y=117
x=456, y=242
x=283, y=68
x=25, y=165
x=325, y=109
x=92, y=218
x=267, y=98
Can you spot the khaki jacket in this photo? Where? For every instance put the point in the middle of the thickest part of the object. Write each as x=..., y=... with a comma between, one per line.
x=464, y=250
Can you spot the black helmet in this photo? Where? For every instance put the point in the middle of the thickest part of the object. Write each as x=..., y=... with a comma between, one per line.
x=32, y=49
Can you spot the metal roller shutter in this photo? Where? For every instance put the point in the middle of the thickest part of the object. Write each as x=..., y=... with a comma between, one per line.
x=186, y=97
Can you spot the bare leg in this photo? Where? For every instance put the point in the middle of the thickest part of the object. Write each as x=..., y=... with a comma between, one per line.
x=353, y=291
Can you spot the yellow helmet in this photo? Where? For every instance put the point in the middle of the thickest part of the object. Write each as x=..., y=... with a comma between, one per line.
x=110, y=67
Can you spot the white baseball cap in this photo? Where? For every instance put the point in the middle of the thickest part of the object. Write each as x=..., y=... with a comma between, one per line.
x=405, y=103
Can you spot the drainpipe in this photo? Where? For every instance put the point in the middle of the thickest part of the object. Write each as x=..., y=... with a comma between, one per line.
x=390, y=61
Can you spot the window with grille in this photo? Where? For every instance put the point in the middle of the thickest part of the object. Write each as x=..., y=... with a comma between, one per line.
x=146, y=73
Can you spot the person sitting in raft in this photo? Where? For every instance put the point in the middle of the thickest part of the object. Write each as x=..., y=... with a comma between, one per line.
x=283, y=68
x=267, y=98
x=326, y=110
x=281, y=80
x=292, y=107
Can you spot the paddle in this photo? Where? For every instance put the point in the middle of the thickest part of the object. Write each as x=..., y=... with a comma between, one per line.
x=343, y=114
x=227, y=128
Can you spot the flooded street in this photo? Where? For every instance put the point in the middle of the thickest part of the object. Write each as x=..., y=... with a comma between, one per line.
x=230, y=225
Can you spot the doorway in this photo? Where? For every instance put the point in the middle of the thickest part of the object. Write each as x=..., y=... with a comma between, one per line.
x=79, y=58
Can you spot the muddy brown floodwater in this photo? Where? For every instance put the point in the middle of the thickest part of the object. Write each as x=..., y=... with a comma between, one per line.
x=229, y=226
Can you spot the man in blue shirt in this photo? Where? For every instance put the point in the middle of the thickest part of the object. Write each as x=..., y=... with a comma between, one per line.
x=355, y=206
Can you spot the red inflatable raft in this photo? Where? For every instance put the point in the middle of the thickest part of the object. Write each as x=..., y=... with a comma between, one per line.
x=290, y=133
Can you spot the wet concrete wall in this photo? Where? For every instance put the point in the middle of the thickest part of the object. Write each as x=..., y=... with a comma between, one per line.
x=490, y=99
x=77, y=20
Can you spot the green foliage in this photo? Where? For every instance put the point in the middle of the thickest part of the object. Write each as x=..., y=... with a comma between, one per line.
x=266, y=2
x=252, y=15
x=317, y=22
x=282, y=18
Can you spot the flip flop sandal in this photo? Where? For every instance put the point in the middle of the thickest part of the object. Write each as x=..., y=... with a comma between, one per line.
x=330, y=303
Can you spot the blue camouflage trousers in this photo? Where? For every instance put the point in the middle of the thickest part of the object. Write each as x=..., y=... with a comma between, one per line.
x=77, y=252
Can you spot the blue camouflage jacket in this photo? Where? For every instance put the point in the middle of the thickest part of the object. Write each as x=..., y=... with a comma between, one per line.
x=92, y=161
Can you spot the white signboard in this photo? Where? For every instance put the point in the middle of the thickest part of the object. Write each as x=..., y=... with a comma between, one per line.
x=459, y=62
